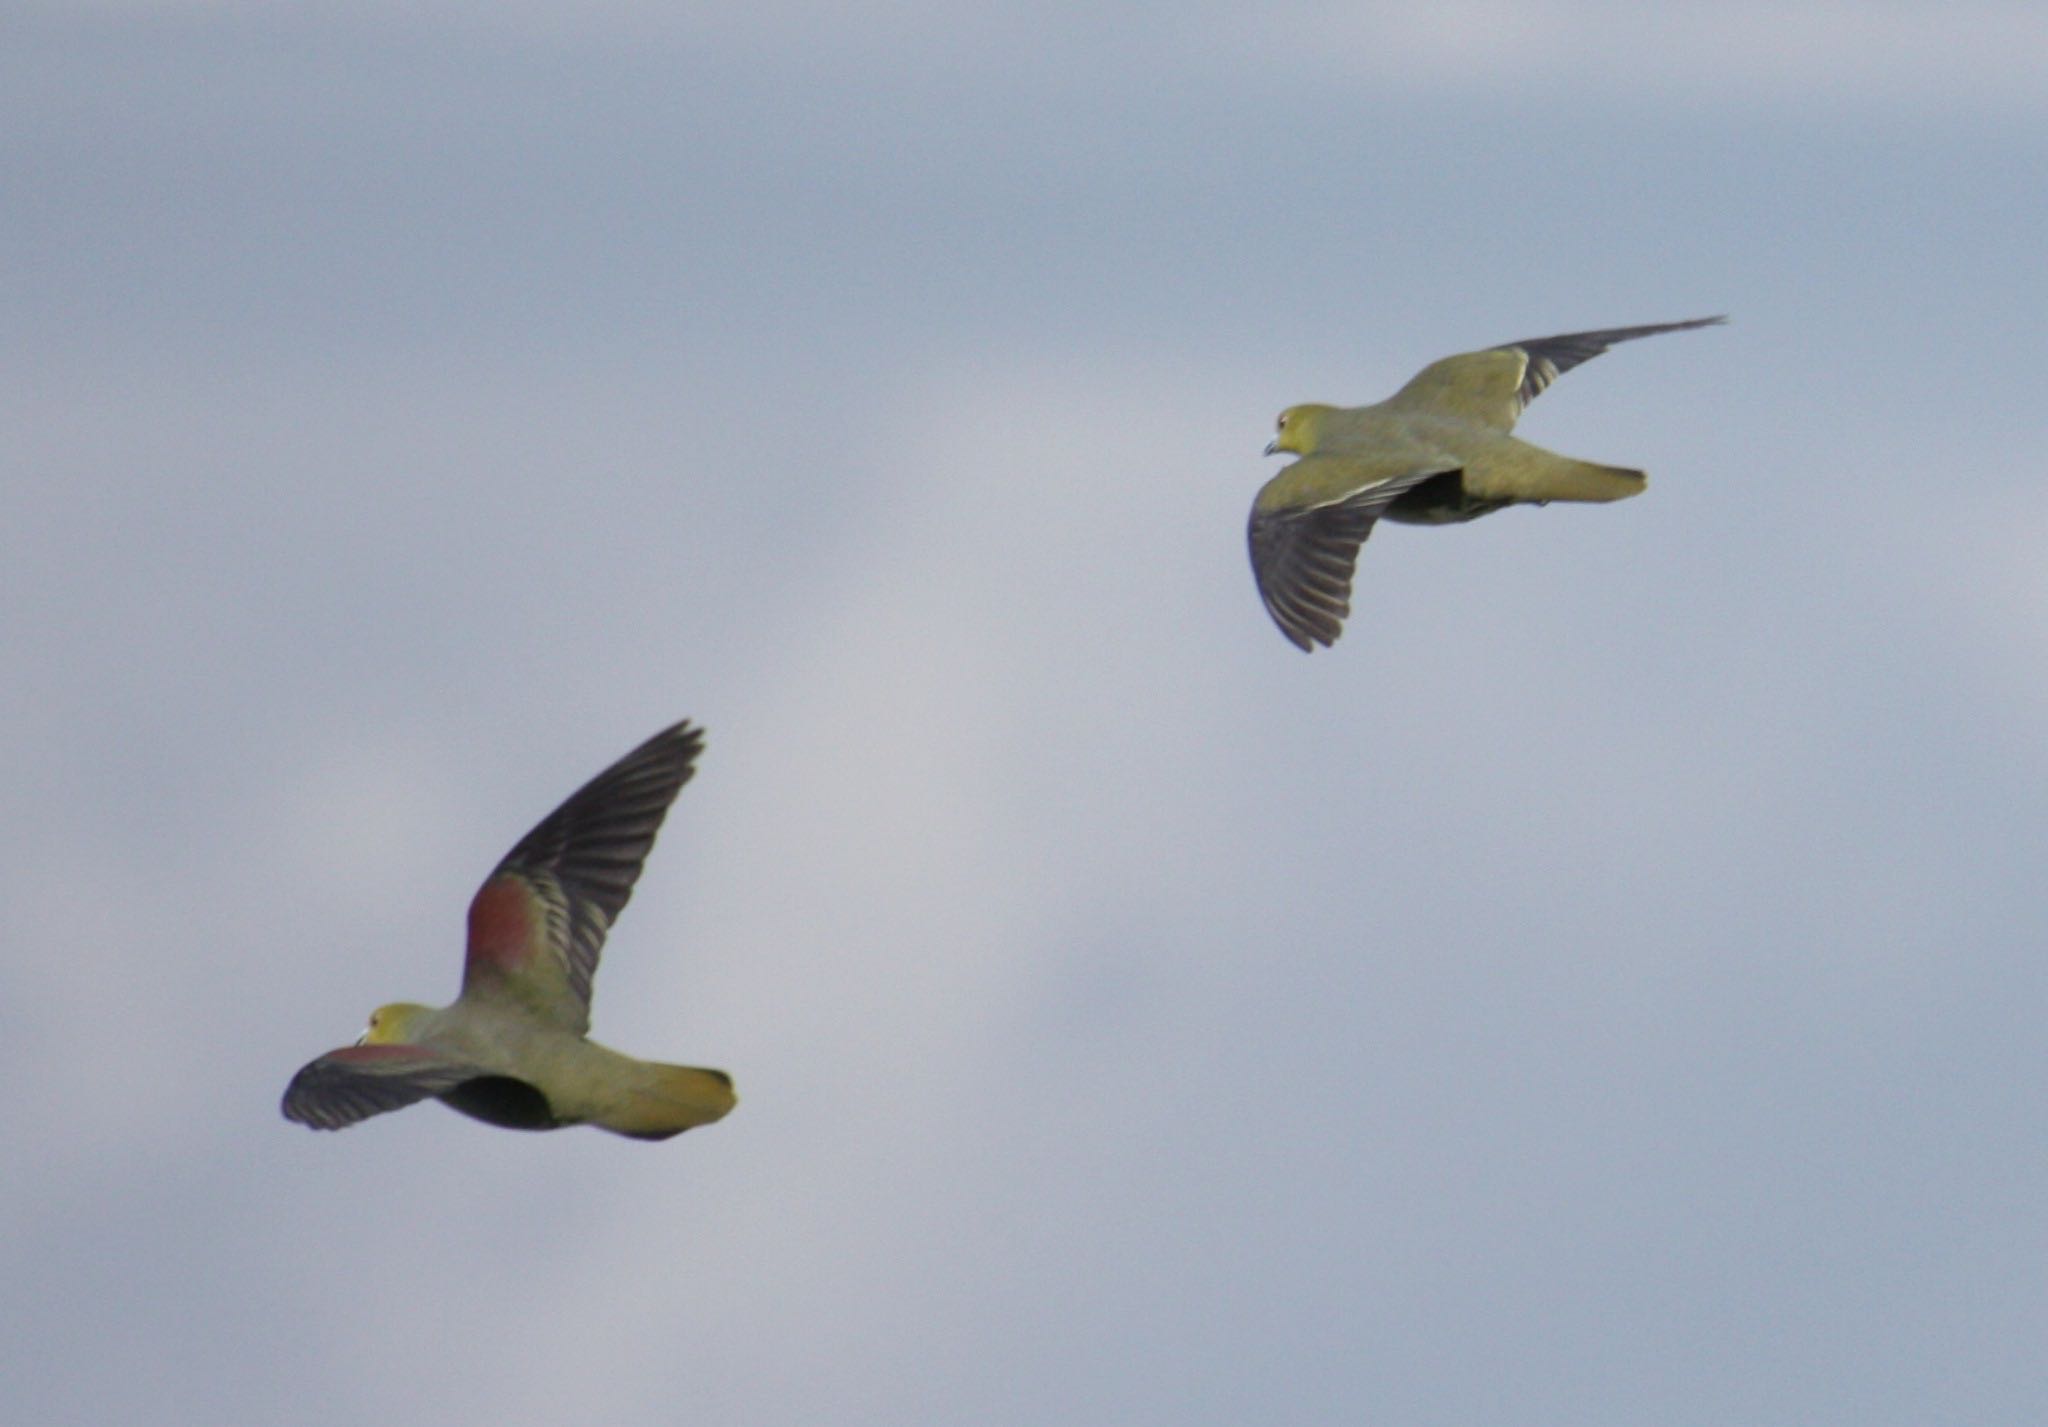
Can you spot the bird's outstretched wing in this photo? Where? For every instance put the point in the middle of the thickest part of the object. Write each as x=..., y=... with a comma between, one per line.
x=1495, y=387
x=1548, y=358
x=358, y=1081
x=538, y=923
x=1303, y=555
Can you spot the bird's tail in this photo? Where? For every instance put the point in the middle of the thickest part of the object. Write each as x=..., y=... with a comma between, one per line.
x=1582, y=480
x=665, y=1100
x=1521, y=472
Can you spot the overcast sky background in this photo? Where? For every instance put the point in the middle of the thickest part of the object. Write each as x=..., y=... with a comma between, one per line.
x=1608, y=988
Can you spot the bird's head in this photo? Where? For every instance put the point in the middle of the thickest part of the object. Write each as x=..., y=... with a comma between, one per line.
x=1296, y=429
x=391, y=1025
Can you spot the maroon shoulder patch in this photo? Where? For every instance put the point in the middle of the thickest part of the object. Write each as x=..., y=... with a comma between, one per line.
x=501, y=924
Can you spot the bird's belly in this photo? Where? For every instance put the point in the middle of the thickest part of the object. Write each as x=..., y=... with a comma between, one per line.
x=1440, y=500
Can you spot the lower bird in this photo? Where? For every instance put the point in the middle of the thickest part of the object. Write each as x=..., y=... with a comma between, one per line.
x=1435, y=452
x=512, y=1049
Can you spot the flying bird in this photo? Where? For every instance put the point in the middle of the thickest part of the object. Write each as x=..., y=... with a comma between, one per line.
x=1436, y=452
x=512, y=1049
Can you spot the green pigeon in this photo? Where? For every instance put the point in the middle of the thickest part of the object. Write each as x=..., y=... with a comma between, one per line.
x=1436, y=452
x=512, y=1049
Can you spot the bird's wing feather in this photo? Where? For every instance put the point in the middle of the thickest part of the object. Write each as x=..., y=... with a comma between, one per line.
x=1303, y=555
x=538, y=923
x=358, y=1081
x=1495, y=387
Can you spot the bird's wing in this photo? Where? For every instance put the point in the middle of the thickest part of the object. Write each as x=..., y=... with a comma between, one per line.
x=358, y=1081
x=1303, y=553
x=1494, y=387
x=538, y=923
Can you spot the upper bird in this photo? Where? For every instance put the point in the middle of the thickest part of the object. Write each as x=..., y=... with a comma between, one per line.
x=511, y=1050
x=1436, y=451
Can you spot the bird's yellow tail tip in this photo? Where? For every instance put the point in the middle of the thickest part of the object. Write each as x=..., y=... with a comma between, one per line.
x=1583, y=480
x=671, y=1099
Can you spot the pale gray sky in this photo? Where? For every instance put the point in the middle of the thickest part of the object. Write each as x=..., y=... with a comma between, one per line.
x=1605, y=989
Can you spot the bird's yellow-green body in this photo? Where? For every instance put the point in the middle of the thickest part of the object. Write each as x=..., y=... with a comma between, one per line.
x=579, y=1081
x=1346, y=450
x=1438, y=451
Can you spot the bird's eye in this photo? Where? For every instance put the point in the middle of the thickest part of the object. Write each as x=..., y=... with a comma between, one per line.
x=1281, y=424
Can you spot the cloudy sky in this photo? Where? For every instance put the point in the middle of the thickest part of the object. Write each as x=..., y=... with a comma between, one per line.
x=1605, y=989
